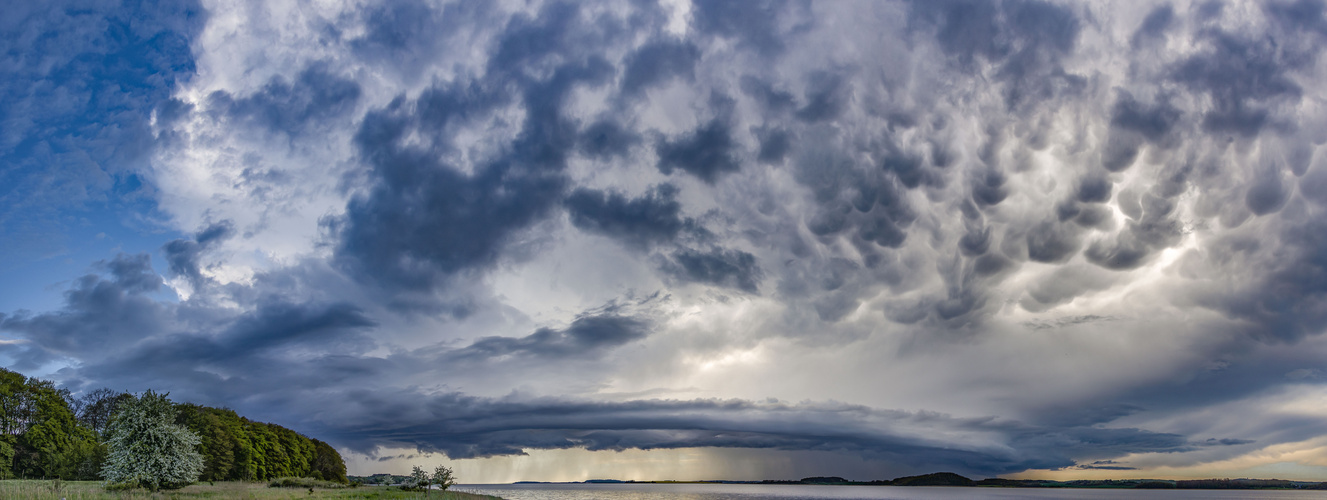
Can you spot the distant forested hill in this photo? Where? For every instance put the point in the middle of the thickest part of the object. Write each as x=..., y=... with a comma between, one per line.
x=46, y=432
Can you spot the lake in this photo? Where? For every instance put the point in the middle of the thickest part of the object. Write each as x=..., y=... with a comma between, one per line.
x=803, y=492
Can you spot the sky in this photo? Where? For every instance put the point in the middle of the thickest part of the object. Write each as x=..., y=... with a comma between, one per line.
x=685, y=239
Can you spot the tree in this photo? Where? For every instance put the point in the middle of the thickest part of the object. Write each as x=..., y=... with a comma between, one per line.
x=39, y=436
x=419, y=479
x=443, y=477
x=148, y=448
x=96, y=408
x=327, y=463
x=54, y=445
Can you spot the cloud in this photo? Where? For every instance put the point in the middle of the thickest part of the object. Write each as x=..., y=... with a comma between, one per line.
x=640, y=222
x=104, y=313
x=1241, y=77
x=707, y=152
x=1082, y=232
x=1154, y=26
x=315, y=96
x=183, y=255
x=425, y=219
x=728, y=268
x=463, y=427
x=756, y=26
x=587, y=335
x=656, y=64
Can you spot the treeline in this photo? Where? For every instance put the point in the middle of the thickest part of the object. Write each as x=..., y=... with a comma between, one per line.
x=47, y=433
x=235, y=448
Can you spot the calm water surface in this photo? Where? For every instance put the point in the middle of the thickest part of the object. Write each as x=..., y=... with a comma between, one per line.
x=801, y=492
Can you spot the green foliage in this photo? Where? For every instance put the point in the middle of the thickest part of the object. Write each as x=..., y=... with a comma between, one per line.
x=327, y=463
x=96, y=490
x=148, y=447
x=303, y=482
x=41, y=437
x=419, y=479
x=96, y=408
x=235, y=448
x=7, y=456
x=47, y=433
x=444, y=477
x=224, y=444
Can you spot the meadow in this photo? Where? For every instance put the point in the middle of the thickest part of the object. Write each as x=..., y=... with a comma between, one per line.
x=90, y=490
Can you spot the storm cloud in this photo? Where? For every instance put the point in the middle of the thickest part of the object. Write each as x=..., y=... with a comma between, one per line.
x=988, y=236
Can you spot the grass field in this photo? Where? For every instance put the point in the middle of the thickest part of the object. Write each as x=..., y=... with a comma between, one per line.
x=87, y=490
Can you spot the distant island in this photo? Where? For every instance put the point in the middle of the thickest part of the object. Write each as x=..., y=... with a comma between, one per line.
x=952, y=479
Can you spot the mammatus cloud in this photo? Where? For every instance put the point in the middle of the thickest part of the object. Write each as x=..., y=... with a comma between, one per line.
x=1060, y=235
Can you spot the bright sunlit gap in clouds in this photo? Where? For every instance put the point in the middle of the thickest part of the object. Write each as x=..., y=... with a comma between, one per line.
x=558, y=241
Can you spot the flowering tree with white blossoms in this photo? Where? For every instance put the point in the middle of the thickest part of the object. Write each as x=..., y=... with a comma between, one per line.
x=421, y=479
x=148, y=448
x=443, y=477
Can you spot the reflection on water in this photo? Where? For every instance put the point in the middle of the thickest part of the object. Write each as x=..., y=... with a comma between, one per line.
x=802, y=492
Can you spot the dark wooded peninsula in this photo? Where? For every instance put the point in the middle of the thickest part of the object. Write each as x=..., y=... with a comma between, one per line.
x=952, y=479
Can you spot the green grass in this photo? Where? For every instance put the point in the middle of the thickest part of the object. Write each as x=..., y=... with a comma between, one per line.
x=89, y=490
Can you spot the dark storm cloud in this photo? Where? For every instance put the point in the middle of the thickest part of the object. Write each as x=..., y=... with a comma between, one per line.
x=586, y=336
x=426, y=219
x=1154, y=26
x=718, y=266
x=1094, y=189
x=1287, y=299
x=772, y=100
x=827, y=96
x=1301, y=17
x=1132, y=124
x=242, y=350
x=102, y=313
x=652, y=218
x=988, y=188
x=1267, y=194
x=314, y=97
x=1105, y=467
x=1244, y=78
x=605, y=139
x=277, y=324
x=708, y=152
x=1025, y=39
x=1052, y=242
x=114, y=318
x=755, y=25
x=658, y=63
x=182, y=255
x=464, y=426
x=774, y=145
x=1153, y=122
x=405, y=36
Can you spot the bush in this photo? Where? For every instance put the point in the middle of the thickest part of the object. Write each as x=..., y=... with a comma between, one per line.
x=302, y=482
x=148, y=448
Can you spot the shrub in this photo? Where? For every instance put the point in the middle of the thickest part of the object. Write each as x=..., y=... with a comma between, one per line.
x=303, y=482
x=146, y=447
